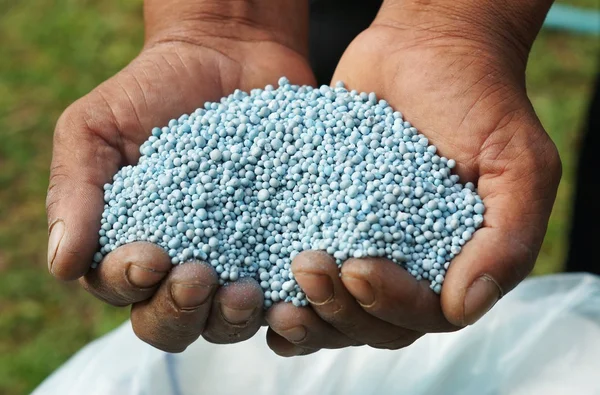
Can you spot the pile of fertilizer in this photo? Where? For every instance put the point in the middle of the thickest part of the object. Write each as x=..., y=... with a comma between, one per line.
x=248, y=183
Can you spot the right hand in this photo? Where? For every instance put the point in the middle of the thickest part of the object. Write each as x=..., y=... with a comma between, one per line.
x=461, y=80
x=177, y=72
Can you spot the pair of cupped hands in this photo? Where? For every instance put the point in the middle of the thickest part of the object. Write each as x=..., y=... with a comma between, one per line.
x=458, y=78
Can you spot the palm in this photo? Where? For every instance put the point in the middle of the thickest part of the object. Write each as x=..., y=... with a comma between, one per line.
x=472, y=105
x=101, y=133
x=481, y=117
x=165, y=81
x=169, y=80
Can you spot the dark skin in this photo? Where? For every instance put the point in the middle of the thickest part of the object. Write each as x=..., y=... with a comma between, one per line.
x=450, y=66
x=182, y=65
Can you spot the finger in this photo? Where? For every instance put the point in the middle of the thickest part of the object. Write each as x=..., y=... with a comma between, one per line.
x=388, y=292
x=237, y=312
x=318, y=275
x=304, y=328
x=82, y=162
x=176, y=315
x=518, y=201
x=129, y=274
x=282, y=347
x=490, y=265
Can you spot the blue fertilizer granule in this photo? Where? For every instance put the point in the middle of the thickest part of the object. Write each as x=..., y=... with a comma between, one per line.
x=247, y=183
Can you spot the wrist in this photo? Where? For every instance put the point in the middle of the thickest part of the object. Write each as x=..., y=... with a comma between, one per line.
x=507, y=28
x=222, y=22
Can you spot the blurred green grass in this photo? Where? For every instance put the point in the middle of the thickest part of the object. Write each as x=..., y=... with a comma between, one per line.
x=51, y=53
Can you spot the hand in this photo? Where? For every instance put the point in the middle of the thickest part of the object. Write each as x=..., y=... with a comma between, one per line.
x=461, y=83
x=181, y=67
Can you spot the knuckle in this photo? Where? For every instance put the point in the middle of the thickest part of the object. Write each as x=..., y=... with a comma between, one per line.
x=73, y=119
x=91, y=118
x=65, y=121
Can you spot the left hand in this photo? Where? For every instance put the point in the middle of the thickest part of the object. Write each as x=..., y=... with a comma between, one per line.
x=194, y=52
x=459, y=78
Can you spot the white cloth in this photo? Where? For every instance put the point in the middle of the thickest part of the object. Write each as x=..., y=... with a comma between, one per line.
x=542, y=338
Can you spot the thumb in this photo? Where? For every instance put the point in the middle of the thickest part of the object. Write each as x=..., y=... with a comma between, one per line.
x=83, y=161
x=519, y=171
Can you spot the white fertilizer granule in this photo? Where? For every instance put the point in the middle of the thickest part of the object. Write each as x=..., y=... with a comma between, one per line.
x=247, y=183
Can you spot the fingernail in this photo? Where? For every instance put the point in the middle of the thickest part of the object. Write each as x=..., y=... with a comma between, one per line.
x=295, y=334
x=143, y=277
x=360, y=289
x=317, y=287
x=190, y=296
x=57, y=232
x=236, y=316
x=481, y=296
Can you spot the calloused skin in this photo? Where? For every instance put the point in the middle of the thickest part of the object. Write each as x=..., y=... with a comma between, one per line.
x=466, y=94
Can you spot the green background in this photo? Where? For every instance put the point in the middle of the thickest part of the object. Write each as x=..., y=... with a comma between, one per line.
x=52, y=52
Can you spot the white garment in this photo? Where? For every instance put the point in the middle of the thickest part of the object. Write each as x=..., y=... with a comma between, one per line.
x=542, y=338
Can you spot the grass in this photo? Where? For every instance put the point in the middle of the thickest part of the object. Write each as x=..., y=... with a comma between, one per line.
x=51, y=53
